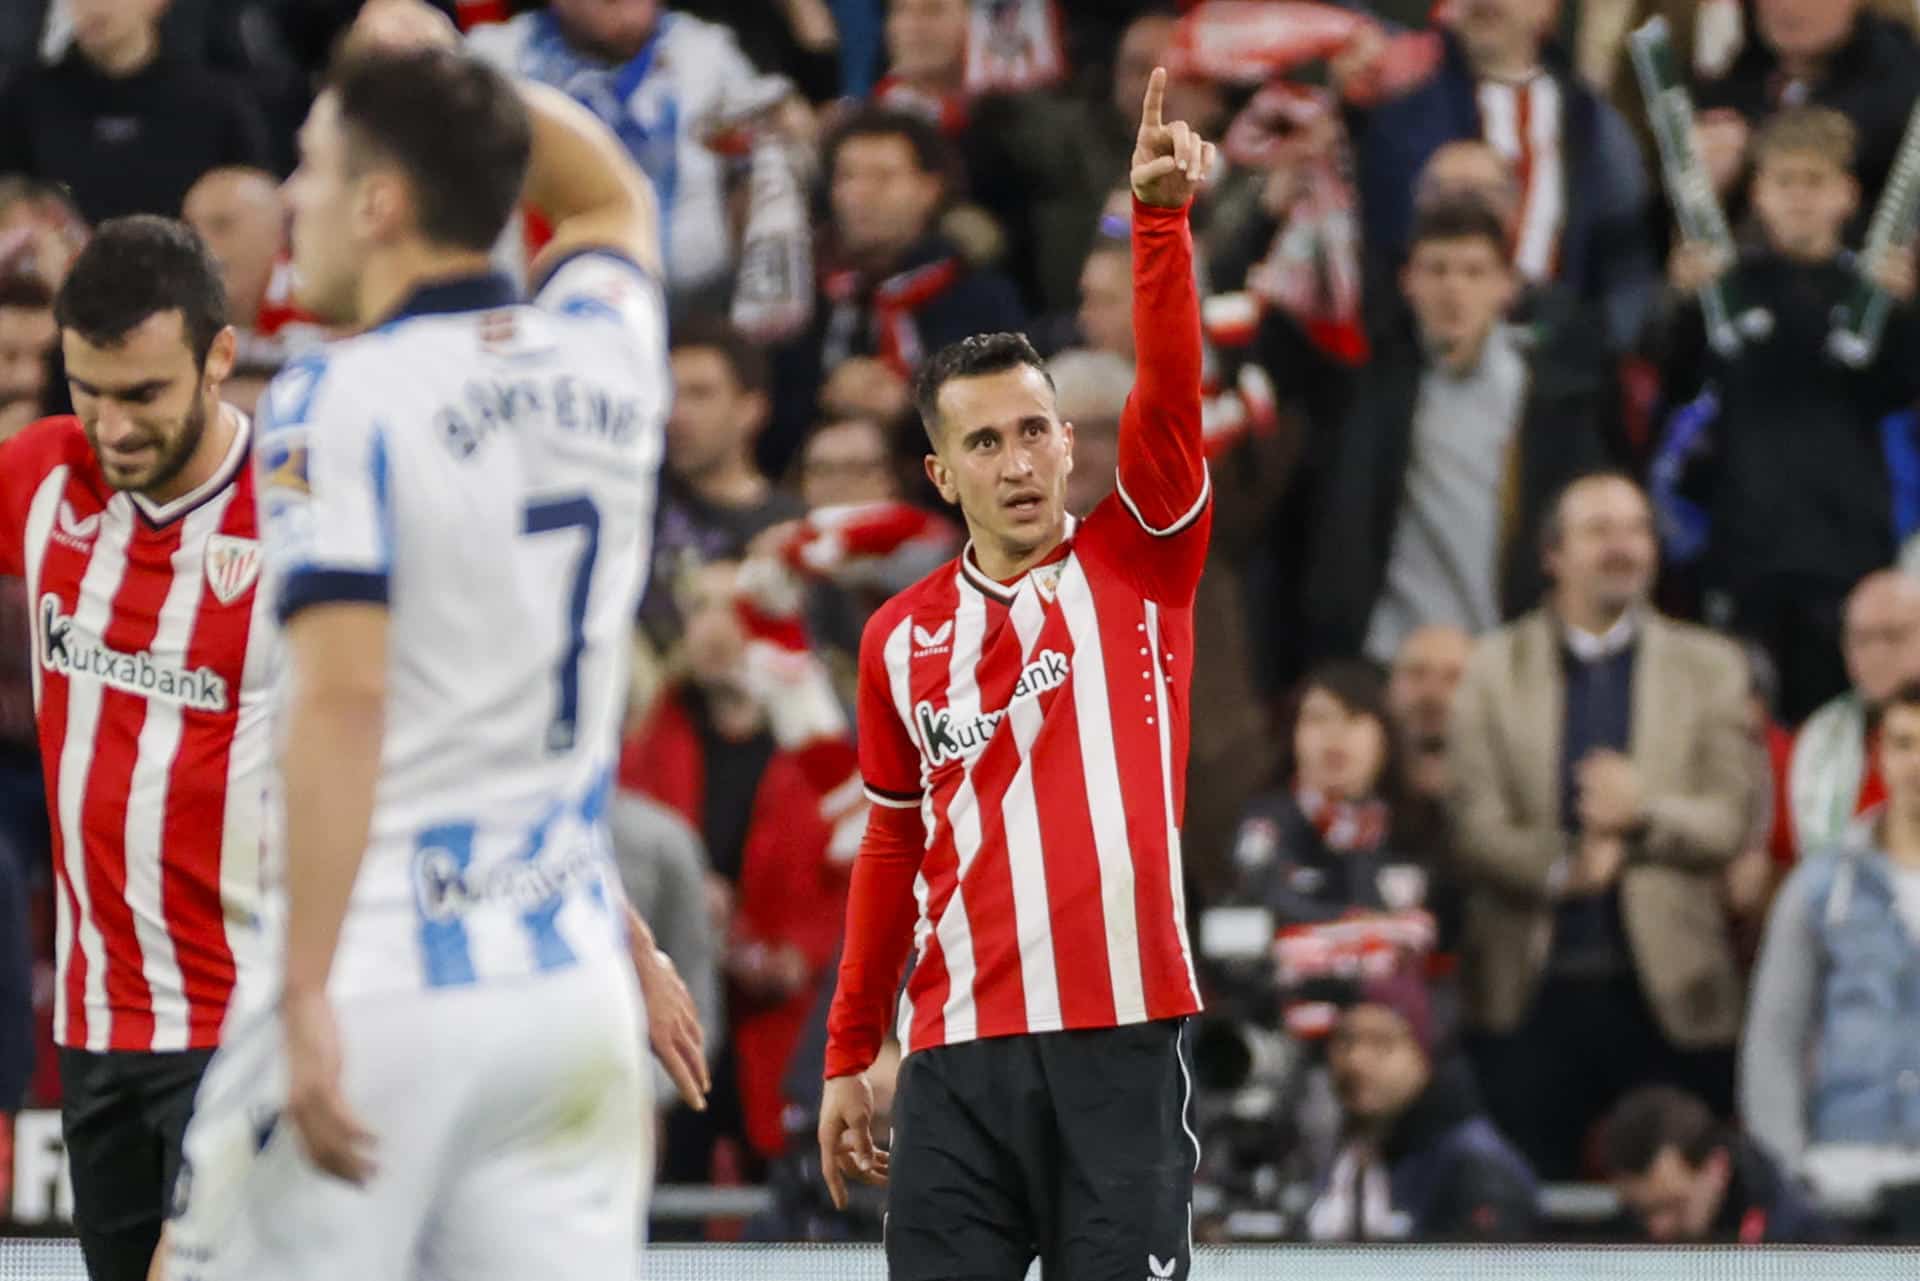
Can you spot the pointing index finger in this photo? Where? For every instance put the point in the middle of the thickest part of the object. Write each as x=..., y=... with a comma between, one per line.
x=1156, y=96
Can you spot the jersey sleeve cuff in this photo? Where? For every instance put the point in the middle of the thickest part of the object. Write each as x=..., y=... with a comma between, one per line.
x=308, y=587
x=1191, y=515
x=893, y=800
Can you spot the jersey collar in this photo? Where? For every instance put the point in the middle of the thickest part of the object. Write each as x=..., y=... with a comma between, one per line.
x=160, y=515
x=455, y=294
x=994, y=589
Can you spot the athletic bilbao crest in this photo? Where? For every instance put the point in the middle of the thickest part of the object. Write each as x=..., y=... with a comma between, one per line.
x=232, y=566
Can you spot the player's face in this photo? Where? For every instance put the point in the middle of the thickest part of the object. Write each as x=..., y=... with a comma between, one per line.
x=882, y=200
x=1106, y=302
x=1338, y=751
x=1004, y=458
x=927, y=38
x=1458, y=290
x=1804, y=200
x=144, y=403
x=1605, y=552
x=1378, y=1067
x=321, y=195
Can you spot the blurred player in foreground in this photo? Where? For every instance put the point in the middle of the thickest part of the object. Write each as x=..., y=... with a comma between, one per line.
x=1023, y=736
x=457, y=506
x=133, y=524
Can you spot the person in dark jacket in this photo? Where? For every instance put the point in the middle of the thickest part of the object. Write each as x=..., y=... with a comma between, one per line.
x=1684, y=1178
x=1585, y=186
x=1421, y=1160
x=1326, y=845
x=1828, y=53
x=893, y=289
x=1433, y=471
x=1783, y=446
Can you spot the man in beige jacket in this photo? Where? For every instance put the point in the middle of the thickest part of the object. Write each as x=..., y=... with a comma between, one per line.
x=1602, y=778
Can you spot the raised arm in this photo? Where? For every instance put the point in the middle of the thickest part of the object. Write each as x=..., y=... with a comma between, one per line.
x=1163, y=472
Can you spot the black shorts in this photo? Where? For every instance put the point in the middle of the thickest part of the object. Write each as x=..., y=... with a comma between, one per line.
x=1071, y=1147
x=124, y=1116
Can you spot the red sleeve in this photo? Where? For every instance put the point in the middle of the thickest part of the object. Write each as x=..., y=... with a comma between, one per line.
x=889, y=761
x=880, y=917
x=1163, y=468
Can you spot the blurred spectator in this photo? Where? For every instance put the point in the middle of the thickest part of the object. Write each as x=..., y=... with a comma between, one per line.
x=1686, y=1178
x=663, y=869
x=894, y=288
x=1426, y=672
x=239, y=213
x=1448, y=449
x=802, y=41
x=716, y=499
x=1323, y=847
x=1583, y=185
x=848, y=461
x=1830, y=53
x=927, y=61
x=658, y=79
x=1834, y=774
x=1043, y=163
x=1597, y=956
x=27, y=337
x=1831, y=1064
x=848, y=473
x=711, y=753
x=1105, y=316
x=1784, y=454
x=40, y=230
x=126, y=127
x=1421, y=1160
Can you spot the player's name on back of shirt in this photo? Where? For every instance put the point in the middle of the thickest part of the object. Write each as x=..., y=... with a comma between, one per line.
x=562, y=405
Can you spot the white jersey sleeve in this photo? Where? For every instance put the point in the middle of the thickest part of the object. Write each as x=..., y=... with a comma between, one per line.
x=607, y=286
x=325, y=490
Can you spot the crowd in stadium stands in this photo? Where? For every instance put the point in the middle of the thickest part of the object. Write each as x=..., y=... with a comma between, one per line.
x=1554, y=804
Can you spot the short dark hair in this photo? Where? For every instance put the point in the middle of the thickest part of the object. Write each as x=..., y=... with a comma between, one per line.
x=402, y=107
x=973, y=357
x=710, y=333
x=137, y=267
x=930, y=149
x=1652, y=1119
x=1360, y=686
x=24, y=291
x=1459, y=216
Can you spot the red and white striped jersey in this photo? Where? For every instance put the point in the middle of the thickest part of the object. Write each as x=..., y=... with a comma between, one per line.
x=1038, y=731
x=150, y=674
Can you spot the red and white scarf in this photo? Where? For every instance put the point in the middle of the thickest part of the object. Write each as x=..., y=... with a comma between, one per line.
x=1014, y=46
x=1345, y=826
x=894, y=302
